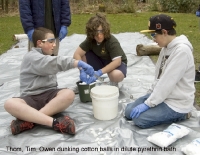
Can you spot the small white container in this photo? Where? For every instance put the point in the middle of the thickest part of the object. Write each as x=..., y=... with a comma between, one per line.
x=105, y=102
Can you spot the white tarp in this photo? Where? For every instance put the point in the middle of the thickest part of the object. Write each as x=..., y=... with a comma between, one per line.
x=113, y=137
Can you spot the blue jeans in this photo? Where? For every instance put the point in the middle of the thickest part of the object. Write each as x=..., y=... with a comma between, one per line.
x=160, y=114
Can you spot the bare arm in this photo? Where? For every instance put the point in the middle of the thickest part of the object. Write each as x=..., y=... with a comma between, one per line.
x=79, y=54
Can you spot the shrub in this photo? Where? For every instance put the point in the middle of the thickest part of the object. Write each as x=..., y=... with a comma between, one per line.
x=179, y=6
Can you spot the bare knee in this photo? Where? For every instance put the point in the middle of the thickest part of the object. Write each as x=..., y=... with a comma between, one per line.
x=116, y=76
x=9, y=104
x=13, y=104
x=67, y=95
x=70, y=95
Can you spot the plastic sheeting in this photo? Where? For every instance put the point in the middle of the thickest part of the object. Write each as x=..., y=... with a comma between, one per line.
x=114, y=137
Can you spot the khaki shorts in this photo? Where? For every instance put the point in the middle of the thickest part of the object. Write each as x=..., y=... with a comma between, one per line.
x=40, y=100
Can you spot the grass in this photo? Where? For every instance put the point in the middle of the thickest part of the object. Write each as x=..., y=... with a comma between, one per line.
x=8, y=27
x=187, y=24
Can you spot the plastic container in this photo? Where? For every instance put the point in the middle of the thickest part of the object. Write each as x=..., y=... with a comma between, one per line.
x=84, y=91
x=105, y=102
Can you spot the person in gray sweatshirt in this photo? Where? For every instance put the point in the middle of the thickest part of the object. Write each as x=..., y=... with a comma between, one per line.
x=172, y=95
x=40, y=98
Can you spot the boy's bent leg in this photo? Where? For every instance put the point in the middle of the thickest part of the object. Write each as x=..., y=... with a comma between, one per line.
x=59, y=103
x=130, y=106
x=118, y=74
x=19, y=108
x=160, y=114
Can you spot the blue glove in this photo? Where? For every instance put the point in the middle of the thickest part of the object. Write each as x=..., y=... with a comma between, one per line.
x=63, y=32
x=98, y=73
x=83, y=76
x=30, y=34
x=91, y=79
x=87, y=68
x=138, y=110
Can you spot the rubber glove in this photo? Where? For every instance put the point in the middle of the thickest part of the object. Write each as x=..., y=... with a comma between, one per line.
x=91, y=79
x=83, y=76
x=30, y=34
x=63, y=32
x=98, y=73
x=138, y=110
x=87, y=68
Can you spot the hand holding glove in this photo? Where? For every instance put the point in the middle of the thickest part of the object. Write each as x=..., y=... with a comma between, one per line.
x=138, y=110
x=30, y=34
x=87, y=68
x=98, y=73
x=63, y=32
x=85, y=78
x=91, y=79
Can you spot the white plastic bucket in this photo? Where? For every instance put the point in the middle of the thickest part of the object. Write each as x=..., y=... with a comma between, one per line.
x=105, y=102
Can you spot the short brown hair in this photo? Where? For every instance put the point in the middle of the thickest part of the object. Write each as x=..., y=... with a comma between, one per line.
x=169, y=32
x=94, y=22
x=40, y=34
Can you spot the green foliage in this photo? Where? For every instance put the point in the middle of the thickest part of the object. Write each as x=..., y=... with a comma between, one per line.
x=180, y=6
x=154, y=5
x=114, y=6
x=129, y=7
x=108, y=6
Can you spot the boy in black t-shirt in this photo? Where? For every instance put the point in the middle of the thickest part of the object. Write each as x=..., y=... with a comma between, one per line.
x=102, y=51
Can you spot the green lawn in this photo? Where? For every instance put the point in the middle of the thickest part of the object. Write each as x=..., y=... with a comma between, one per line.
x=187, y=24
x=8, y=27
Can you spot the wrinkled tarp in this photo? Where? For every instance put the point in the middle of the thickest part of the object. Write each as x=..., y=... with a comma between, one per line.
x=113, y=137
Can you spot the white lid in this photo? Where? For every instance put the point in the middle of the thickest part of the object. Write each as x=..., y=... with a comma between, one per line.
x=104, y=91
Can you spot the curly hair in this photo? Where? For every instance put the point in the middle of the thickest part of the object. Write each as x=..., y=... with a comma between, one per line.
x=94, y=22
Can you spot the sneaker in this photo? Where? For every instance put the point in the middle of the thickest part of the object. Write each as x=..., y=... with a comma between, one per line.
x=18, y=126
x=65, y=125
x=197, y=76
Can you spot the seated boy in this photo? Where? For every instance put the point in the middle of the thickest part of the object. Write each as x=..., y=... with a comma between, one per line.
x=39, y=96
x=172, y=95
